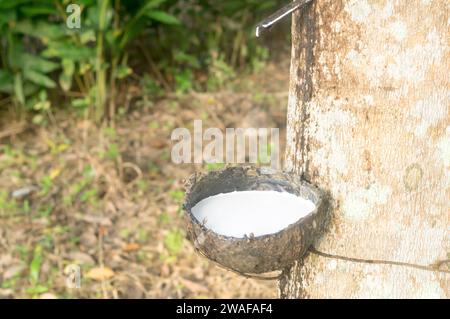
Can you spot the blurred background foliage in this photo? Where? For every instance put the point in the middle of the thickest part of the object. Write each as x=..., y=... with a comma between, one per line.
x=169, y=46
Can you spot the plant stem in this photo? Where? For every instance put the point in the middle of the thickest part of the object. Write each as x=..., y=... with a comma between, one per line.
x=115, y=60
x=112, y=92
x=99, y=67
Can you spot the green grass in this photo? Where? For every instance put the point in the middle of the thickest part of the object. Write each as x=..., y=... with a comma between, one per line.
x=174, y=241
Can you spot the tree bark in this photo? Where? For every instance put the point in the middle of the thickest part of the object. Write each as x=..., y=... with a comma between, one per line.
x=369, y=122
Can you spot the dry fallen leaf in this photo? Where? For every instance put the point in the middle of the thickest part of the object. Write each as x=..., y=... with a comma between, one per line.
x=158, y=143
x=193, y=286
x=100, y=273
x=13, y=270
x=165, y=270
x=131, y=247
x=5, y=293
x=55, y=172
x=94, y=219
x=81, y=257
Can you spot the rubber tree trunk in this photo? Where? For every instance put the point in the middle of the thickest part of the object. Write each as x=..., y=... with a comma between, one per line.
x=369, y=122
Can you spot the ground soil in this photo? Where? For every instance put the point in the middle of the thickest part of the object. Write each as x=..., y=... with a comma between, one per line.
x=108, y=199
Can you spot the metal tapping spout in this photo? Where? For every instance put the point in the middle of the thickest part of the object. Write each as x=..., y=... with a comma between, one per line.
x=280, y=14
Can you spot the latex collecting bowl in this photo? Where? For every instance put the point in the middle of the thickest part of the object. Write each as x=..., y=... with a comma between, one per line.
x=232, y=222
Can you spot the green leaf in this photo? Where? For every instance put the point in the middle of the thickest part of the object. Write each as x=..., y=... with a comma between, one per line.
x=84, y=67
x=37, y=290
x=80, y=103
x=41, y=30
x=123, y=71
x=68, y=66
x=189, y=59
x=177, y=195
x=15, y=48
x=7, y=16
x=28, y=61
x=68, y=51
x=87, y=3
x=65, y=78
x=42, y=104
x=100, y=15
x=184, y=80
x=214, y=166
x=111, y=37
x=148, y=6
x=131, y=30
x=38, y=9
x=112, y=152
x=174, y=241
x=6, y=82
x=35, y=265
x=87, y=36
x=9, y=4
x=89, y=195
x=38, y=119
x=65, y=82
x=136, y=24
x=163, y=17
x=18, y=88
x=39, y=78
x=30, y=88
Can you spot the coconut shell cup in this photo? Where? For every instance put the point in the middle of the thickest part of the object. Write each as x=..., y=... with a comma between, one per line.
x=259, y=254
